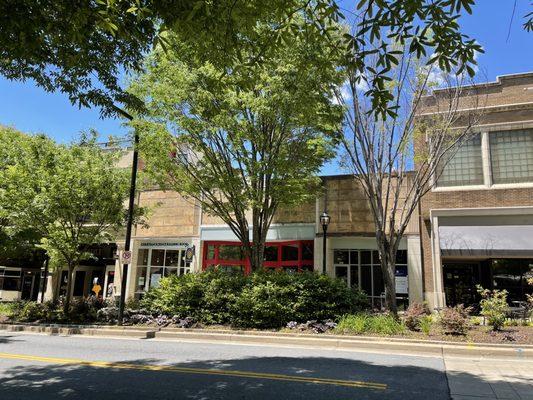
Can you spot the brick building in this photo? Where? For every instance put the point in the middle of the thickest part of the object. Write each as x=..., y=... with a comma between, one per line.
x=477, y=221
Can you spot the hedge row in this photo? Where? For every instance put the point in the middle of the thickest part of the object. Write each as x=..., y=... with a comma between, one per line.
x=259, y=300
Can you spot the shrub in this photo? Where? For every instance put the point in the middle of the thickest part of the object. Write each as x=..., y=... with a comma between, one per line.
x=493, y=306
x=32, y=311
x=414, y=315
x=384, y=324
x=85, y=309
x=454, y=320
x=260, y=300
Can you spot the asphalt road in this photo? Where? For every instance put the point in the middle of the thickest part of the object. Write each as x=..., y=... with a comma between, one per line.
x=53, y=367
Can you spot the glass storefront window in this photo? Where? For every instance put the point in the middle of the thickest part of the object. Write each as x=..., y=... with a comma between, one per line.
x=142, y=258
x=163, y=262
x=289, y=253
x=141, y=279
x=354, y=276
x=307, y=251
x=271, y=253
x=366, y=279
x=172, y=258
x=341, y=272
x=362, y=269
x=341, y=257
x=158, y=257
x=210, y=252
x=230, y=252
x=298, y=254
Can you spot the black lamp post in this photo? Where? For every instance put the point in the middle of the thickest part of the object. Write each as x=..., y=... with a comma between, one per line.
x=324, y=220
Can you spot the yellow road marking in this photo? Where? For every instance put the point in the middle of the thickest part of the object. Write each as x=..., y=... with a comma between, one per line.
x=201, y=371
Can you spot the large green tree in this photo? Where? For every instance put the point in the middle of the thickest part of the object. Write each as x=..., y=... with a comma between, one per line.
x=242, y=142
x=82, y=48
x=72, y=195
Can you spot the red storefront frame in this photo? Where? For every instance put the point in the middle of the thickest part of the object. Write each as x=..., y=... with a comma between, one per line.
x=301, y=263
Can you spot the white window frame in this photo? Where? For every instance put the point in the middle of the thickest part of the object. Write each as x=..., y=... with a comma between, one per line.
x=181, y=254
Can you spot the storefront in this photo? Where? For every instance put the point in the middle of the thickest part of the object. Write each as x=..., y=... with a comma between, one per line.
x=362, y=269
x=157, y=259
x=290, y=256
x=488, y=247
x=19, y=283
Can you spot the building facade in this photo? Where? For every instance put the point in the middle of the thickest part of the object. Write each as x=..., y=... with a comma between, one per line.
x=477, y=221
x=475, y=225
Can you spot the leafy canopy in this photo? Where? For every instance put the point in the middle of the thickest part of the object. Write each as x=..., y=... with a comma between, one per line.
x=72, y=196
x=237, y=140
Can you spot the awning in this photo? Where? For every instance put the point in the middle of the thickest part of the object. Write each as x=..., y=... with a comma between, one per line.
x=486, y=240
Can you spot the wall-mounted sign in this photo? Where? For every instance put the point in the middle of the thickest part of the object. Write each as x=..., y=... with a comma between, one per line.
x=189, y=254
x=401, y=279
x=172, y=245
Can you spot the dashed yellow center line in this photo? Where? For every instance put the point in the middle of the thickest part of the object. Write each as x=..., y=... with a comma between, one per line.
x=197, y=371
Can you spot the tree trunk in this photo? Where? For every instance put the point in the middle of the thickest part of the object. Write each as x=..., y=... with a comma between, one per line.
x=68, y=295
x=258, y=243
x=388, y=270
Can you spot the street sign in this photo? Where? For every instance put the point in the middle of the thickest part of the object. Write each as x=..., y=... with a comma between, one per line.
x=126, y=257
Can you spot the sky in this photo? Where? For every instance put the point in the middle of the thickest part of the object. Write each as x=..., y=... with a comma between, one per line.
x=32, y=110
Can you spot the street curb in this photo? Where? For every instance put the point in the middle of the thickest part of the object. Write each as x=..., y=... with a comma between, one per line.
x=353, y=343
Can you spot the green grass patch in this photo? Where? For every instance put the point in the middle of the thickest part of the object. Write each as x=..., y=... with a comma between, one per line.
x=382, y=324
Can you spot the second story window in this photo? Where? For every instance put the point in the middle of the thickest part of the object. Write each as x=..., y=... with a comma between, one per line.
x=463, y=166
x=511, y=155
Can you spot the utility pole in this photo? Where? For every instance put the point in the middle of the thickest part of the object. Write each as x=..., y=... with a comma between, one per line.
x=129, y=226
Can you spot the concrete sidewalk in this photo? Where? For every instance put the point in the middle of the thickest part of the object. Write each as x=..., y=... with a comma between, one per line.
x=494, y=379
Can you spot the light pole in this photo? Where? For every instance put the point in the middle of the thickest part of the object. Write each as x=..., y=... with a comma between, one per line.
x=324, y=220
x=129, y=225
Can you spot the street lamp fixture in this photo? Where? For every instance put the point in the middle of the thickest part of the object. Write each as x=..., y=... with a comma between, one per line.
x=324, y=220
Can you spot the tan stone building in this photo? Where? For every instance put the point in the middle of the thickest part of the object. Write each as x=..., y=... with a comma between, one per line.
x=475, y=225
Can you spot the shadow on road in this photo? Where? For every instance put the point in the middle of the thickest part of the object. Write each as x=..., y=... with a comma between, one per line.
x=53, y=381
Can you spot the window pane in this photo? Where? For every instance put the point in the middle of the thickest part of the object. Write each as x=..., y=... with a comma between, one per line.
x=378, y=281
x=354, y=257
x=230, y=252
x=462, y=166
x=401, y=257
x=366, y=257
x=340, y=257
x=155, y=276
x=366, y=279
x=342, y=273
x=158, y=257
x=11, y=284
x=210, y=251
x=141, y=279
x=142, y=258
x=512, y=156
x=308, y=268
x=354, y=276
x=172, y=258
x=307, y=251
x=289, y=252
x=271, y=253
x=170, y=271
